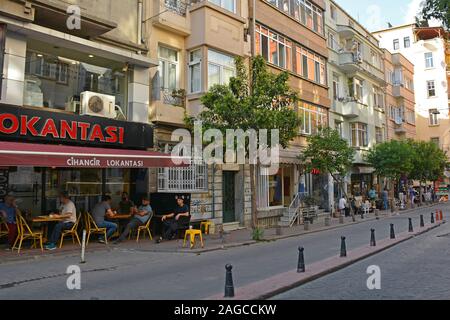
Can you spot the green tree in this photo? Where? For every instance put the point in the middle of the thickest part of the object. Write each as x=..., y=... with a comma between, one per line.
x=428, y=162
x=255, y=99
x=391, y=160
x=436, y=9
x=329, y=153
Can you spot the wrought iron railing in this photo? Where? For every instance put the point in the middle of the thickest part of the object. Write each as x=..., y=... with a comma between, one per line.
x=172, y=97
x=176, y=6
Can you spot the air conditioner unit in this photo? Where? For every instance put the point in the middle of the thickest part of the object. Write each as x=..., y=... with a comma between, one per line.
x=96, y=104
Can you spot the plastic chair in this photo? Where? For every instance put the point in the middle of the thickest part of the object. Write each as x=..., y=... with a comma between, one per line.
x=92, y=228
x=73, y=232
x=25, y=232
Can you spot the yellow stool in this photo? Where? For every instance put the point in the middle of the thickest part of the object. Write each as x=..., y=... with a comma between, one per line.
x=206, y=225
x=192, y=233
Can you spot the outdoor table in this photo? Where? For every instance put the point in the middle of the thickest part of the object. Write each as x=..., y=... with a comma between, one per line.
x=119, y=219
x=45, y=220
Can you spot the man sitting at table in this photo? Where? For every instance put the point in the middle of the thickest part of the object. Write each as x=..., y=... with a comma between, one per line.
x=176, y=220
x=143, y=214
x=101, y=211
x=126, y=206
x=8, y=211
x=68, y=214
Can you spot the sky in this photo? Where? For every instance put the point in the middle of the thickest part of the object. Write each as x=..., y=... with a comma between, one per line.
x=375, y=14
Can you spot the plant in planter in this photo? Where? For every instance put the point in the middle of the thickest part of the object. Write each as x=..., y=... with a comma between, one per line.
x=180, y=95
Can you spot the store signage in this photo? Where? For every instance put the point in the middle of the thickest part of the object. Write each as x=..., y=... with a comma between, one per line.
x=103, y=163
x=19, y=123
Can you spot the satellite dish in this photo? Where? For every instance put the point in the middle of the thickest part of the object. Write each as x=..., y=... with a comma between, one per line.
x=398, y=120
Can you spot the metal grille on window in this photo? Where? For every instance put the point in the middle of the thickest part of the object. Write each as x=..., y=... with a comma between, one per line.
x=191, y=179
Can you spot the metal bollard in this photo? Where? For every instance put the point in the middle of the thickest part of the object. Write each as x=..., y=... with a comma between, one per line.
x=432, y=217
x=422, y=222
x=229, y=287
x=83, y=247
x=301, y=260
x=343, y=248
x=410, y=227
x=392, y=231
x=373, y=242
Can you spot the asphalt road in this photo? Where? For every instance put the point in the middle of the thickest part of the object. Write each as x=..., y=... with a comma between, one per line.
x=128, y=274
x=414, y=270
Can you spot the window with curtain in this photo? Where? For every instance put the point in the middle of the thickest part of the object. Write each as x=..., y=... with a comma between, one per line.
x=312, y=117
x=221, y=68
x=195, y=71
x=168, y=68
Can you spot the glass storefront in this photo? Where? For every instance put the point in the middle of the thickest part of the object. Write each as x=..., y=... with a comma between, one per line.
x=55, y=77
x=37, y=189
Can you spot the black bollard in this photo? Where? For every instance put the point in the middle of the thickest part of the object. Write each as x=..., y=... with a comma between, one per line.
x=392, y=231
x=373, y=242
x=422, y=222
x=301, y=260
x=410, y=228
x=229, y=287
x=343, y=248
x=432, y=217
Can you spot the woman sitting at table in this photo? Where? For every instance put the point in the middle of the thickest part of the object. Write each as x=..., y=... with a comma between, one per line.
x=68, y=213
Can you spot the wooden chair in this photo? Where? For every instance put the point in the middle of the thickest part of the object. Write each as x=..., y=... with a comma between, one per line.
x=145, y=228
x=26, y=233
x=4, y=230
x=92, y=228
x=73, y=232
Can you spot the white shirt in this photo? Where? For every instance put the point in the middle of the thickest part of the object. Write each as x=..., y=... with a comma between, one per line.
x=69, y=208
x=342, y=204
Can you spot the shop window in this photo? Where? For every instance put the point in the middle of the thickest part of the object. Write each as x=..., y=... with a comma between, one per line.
x=195, y=71
x=221, y=68
x=56, y=78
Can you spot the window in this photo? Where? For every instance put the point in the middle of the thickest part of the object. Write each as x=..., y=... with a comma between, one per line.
x=431, y=89
x=221, y=68
x=56, y=82
x=411, y=117
x=336, y=95
x=359, y=135
x=379, y=135
x=378, y=98
x=274, y=48
x=396, y=44
x=168, y=68
x=407, y=42
x=312, y=117
x=195, y=71
x=229, y=5
x=332, y=43
x=436, y=141
x=191, y=179
x=434, y=117
x=358, y=90
x=429, y=63
x=333, y=12
x=338, y=125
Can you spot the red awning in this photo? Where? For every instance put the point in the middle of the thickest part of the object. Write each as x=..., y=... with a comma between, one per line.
x=13, y=154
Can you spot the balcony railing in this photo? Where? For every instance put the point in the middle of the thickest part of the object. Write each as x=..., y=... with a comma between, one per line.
x=174, y=97
x=176, y=6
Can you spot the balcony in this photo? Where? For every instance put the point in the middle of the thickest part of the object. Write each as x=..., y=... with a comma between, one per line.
x=346, y=31
x=350, y=108
x=172, y=15
x=400, y=129
x=173, y=97
x=398, y=90
x=352, y=63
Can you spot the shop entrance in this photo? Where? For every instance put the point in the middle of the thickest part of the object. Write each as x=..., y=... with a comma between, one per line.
x=229, y=202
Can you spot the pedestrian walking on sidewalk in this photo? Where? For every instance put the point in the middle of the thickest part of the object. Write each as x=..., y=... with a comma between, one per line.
x=385, y=196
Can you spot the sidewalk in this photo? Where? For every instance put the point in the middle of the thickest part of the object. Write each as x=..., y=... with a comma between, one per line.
x=214, y=242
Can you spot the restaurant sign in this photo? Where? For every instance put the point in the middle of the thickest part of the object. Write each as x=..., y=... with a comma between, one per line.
x=20, y=123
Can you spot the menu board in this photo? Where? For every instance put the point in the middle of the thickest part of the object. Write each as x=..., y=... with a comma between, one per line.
x=4, y=181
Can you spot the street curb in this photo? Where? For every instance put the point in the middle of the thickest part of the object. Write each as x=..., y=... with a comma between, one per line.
x=270, y=287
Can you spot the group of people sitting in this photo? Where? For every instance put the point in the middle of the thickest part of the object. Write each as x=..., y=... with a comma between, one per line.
x=103, y=215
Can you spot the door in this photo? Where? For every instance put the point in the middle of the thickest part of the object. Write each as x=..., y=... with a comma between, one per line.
x=228, y=187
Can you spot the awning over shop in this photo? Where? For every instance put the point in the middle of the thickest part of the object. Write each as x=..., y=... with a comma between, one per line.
x=13, y=154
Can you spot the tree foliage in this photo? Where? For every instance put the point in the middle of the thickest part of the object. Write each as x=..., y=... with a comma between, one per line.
x=330, y=153
x=257, y=100
x=436, y=9
x=391, y=159
x=428, y=161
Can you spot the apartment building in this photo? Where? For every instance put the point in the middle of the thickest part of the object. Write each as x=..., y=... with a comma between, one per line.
x=290, y=36
x=76, y=77
x=425, y=48
x=400, y=99
x=357, y=92
x=195, y=46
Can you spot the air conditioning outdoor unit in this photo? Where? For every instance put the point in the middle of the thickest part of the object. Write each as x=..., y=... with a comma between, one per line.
x=99, y=105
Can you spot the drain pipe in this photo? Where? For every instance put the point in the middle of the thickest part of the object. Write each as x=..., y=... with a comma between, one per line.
x=213, y=191
x=139, y=22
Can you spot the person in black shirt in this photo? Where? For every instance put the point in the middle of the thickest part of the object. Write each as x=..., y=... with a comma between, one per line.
x=174, y=221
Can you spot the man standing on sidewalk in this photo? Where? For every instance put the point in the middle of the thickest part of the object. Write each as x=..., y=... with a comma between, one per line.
x=342, y=206
x=385, y=196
